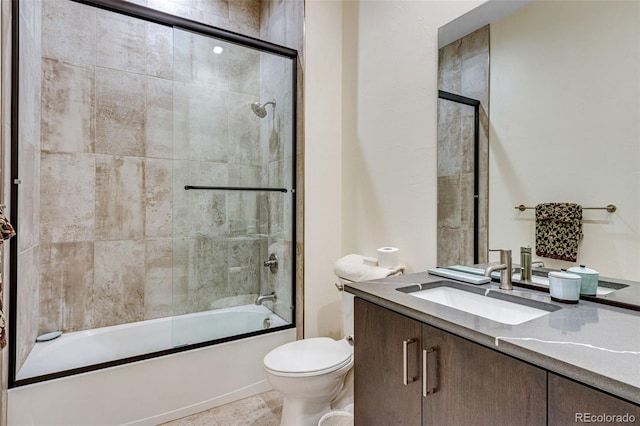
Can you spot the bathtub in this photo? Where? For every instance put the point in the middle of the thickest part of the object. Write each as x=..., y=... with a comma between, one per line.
x=154, y=390
x=88, y=347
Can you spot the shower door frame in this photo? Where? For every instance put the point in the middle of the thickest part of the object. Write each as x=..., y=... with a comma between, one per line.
x=475, y=103
x=175, y=22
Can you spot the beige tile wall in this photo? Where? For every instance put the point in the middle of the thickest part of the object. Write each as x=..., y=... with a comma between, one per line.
x=116, y=174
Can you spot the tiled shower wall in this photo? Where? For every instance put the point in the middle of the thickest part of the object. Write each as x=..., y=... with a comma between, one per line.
x=128, y=113
x=463, y=69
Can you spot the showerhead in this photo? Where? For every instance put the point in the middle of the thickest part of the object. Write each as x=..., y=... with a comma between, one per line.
x=260, y=109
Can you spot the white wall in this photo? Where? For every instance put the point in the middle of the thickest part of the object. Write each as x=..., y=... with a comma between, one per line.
x=323, y=221
x=565, y=126
x=370, y=138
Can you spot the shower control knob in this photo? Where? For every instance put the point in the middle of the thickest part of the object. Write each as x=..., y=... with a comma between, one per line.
x=272, y=263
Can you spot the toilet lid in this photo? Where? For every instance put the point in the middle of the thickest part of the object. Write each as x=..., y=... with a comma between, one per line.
x=308, y=355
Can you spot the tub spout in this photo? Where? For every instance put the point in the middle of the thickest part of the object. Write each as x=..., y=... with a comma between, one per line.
x=271, y=296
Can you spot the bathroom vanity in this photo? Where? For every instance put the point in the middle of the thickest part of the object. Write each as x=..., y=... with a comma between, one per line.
x=419, y=361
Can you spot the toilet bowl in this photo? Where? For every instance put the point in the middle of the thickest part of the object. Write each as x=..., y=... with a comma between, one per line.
x=310, y=374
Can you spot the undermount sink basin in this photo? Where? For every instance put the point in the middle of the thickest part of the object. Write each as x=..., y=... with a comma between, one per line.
x=486, y=303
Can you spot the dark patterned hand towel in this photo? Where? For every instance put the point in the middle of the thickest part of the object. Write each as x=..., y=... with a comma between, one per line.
x=6, y=232
x=558, y=230
x=3, y=325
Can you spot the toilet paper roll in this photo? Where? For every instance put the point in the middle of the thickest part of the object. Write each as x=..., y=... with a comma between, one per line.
x=387, y=257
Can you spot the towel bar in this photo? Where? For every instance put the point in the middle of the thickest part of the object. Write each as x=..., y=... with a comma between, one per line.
x=610, y=208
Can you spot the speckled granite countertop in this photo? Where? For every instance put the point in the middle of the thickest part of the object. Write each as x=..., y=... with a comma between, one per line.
x=589, y=342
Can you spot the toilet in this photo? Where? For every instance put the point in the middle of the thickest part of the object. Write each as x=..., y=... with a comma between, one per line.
x=315, y=374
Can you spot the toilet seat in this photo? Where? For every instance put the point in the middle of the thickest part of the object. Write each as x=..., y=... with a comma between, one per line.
x=308, y=357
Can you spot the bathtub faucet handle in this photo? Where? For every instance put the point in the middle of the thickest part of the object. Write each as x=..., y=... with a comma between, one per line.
x=272, y=263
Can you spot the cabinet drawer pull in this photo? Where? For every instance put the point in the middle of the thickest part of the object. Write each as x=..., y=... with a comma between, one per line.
x=426, y=389
x=405, y=362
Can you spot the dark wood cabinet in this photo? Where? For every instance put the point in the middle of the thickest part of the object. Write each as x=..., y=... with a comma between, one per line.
x=479, y=386
x=409, y=373
x=574, y=403
x=381, y=339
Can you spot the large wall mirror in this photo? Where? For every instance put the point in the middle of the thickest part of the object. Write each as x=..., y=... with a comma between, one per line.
x=563, y=123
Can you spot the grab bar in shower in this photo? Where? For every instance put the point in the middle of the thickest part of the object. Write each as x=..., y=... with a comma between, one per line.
x=235, y=188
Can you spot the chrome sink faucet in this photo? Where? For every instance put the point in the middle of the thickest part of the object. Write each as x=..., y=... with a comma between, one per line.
x=526, y=264
x=504, y=268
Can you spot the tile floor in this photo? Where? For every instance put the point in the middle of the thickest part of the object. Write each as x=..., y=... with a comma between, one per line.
x=259, y=410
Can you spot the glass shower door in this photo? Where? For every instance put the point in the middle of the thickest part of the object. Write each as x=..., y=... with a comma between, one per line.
x=233, y=193
x=457, y=184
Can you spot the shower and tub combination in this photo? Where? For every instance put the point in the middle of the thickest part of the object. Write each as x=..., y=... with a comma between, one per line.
x=153, y=191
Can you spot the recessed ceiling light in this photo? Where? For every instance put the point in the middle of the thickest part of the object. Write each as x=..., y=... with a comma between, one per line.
x=217, y=50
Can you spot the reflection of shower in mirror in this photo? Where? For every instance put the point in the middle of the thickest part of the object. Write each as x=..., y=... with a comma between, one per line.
x=261, y=109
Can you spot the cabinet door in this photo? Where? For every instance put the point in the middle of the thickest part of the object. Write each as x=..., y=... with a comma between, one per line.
x=386, y=367
x=571, y=403
x=474, y=385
